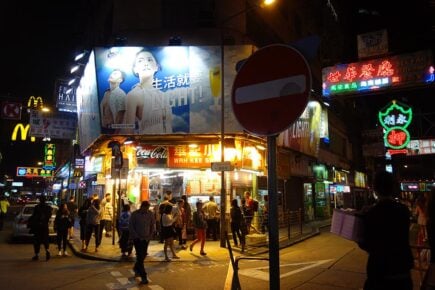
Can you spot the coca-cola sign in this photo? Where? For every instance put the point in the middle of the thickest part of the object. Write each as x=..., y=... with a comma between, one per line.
x=152, y=156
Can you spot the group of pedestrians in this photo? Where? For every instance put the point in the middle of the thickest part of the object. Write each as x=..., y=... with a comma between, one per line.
x=38, y=225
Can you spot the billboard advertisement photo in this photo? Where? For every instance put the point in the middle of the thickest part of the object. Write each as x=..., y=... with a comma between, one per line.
x=165, y=90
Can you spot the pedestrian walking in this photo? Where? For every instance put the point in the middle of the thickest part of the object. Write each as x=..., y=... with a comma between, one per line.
x=386, y=239
x=93, y=224
x=200, y=224
x=238, y=225
x=142, y=228
x=38, y=224
x=62, y=223
x=83, y=212
x=212, y=215
x=166, y=200
x=106, y=216
x=248, y=209
x=180, y=223
x=431, y=223
x=125, y=243
x=169, y=232
x=188, y=213
x=4, y=206
x=421, y=213
x=265, y=221
x=73, y=209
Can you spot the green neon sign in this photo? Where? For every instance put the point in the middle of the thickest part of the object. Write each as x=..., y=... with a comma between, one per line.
x=395, y=118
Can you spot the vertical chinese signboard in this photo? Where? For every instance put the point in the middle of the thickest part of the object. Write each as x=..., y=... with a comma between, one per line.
x=395, y=118
x=49, y=153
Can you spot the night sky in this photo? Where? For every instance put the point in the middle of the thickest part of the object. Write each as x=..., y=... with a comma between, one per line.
x=38, y=45
x=39, y=42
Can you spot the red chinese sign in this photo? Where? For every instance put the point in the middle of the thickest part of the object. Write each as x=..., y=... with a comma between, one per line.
x=395, y=71
x=183, y=156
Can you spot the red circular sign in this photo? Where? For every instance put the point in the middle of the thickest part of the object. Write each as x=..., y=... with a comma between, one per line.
x=271, y=90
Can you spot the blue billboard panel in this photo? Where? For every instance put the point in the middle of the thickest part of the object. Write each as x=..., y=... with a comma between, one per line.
x=165, y=90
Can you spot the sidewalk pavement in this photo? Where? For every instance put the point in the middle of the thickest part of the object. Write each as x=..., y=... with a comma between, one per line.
x=110, y=251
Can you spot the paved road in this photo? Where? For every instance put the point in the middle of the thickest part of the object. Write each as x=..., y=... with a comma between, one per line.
x=324, y=262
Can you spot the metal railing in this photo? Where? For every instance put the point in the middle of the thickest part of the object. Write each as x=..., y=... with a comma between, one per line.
x=235, y=282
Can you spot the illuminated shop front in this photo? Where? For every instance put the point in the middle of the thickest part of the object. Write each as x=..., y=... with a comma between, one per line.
x=183, y=169
x=299, y=151
x=340, y=189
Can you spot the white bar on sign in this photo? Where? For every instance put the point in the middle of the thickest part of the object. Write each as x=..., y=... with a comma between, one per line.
x=271, y=89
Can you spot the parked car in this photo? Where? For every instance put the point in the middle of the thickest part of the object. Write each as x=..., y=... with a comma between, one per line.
x=19, y=226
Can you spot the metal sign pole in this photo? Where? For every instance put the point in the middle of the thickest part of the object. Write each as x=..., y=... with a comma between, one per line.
x=274, y=275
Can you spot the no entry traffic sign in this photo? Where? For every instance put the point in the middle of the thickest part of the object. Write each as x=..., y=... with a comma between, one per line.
x=271, y=90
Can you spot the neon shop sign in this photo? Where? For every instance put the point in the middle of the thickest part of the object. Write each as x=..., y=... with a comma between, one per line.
x=395, y=71
x=395, y=118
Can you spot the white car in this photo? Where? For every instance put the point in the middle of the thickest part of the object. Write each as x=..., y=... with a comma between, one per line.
x=19, y=226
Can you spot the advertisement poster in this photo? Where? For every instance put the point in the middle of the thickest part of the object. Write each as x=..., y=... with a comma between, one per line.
x=58, y=126
x=65, y=96
x=87, y=106
x=165, y=90
x=304, y=134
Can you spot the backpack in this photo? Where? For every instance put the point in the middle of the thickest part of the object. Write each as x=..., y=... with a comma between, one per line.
x=83, y=211
x=124, y=220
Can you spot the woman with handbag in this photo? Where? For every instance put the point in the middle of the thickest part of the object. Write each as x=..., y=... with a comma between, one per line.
x=168, y=232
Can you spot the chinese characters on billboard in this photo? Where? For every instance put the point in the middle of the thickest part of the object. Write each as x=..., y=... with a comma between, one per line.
x=164, y=90
x=394, y=71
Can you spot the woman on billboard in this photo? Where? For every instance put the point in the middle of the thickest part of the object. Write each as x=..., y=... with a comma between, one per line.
x=147, y=108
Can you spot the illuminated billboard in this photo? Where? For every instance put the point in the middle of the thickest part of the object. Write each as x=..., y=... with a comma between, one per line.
x=65, y=96
x=165, y=90
x=53, y=125
x=87, y=106
x=34, y=172
x=304, y=134
x=421, y=147
x=388, y=72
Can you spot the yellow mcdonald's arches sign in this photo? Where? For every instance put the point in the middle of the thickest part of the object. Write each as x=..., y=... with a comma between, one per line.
x=37, y=102
x=24, y=130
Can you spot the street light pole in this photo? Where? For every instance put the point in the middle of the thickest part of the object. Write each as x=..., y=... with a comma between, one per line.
x=223, y=208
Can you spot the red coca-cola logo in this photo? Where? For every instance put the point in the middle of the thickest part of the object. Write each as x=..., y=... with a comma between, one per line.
x=159, y=152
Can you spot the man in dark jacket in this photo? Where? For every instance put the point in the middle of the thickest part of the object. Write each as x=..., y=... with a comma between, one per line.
x=142, y=227
x=38, y=223
x=386, y=239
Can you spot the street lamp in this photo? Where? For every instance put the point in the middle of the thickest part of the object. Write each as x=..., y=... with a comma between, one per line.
x=222, y=136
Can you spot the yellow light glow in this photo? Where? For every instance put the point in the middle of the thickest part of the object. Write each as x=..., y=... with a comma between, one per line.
x=35, y=102
x=268, y=2
x=24, y=130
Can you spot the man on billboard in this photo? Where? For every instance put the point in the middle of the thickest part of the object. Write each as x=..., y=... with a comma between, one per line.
x=146, y=105
x=112, y=106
